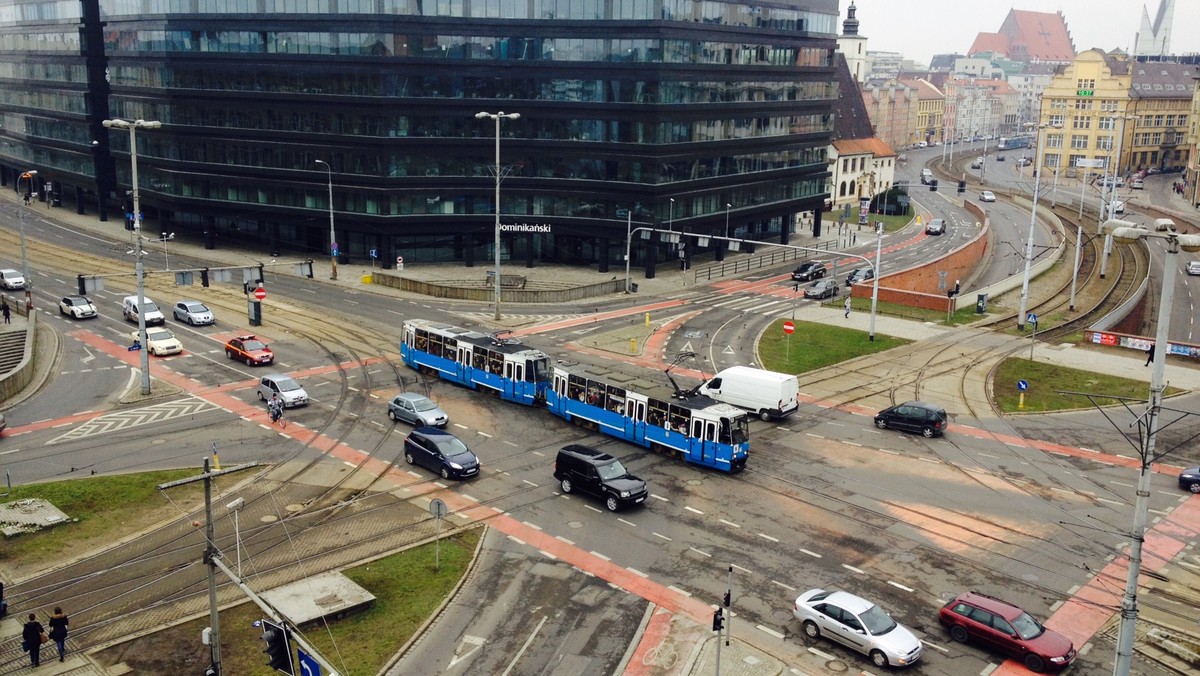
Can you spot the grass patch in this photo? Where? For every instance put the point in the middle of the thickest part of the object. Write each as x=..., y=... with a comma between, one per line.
x=103, y=509
x=815, y=346
x=1044, y=379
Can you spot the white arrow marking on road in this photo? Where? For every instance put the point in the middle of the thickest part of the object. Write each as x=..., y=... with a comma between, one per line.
x=467, y=640
x=687, y=347
x=728, y=350
x=89, y=356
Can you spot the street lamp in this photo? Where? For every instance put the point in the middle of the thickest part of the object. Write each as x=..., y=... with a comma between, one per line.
x=138, y=251
x=28, y=176
x=164, y=238
x=497, y=117
x=333, y=247
x=1125, y=232
x=1112, y=192
x=1037, y=178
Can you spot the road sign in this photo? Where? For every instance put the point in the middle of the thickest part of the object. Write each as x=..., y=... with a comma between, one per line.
x=1032, y=318
x=437, y=508
x=374, y=253
x=260, y=293
x=308, y=666
x=788, y=328
x=1022, y=385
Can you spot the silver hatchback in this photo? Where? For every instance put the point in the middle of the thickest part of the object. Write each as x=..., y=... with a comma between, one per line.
x=859, y=625
x=286, y=387
x=417, y=410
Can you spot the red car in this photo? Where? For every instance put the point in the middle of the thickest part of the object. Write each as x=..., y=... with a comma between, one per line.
x=249, y=349
x=1005, y=628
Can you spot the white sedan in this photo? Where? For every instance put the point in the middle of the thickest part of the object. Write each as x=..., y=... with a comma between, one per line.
x=987, y=196
x=857, y=624
x=1193, y=268
x=159, y=342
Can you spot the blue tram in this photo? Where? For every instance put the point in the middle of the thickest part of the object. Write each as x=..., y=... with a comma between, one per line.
x=695, y=429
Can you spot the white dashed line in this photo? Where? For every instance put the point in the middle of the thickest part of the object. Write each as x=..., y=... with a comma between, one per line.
x=812, y=554
x=825, y=656
x=516, y=540
x=547, y=554
x=468, y=497
x=814, y=436
x=767, y=630
x=700, y=552
x=851, y=443
x=659, y=497
x=851, y=568
x=600, y=556
x=744, y=570
x=897, y=585
x=694, y=510
x=514, y=445
x=637, y=572
x=529, y=482
x=461, y=427
x=563, y=539
x=660, y=535
x=768, y=537
x=884, y=450
x=729, y=523
x=627, y=523
x=532, y=525
x=594, y=509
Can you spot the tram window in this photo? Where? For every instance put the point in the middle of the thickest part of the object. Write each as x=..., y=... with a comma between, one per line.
x=658, y=413
x=435, y=344
x=479, y=359
x=679, y=420
x=422, y=340
x=495, y=362
x=508, y=372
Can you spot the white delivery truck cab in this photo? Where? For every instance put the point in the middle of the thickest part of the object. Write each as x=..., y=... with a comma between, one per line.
x=767, y=393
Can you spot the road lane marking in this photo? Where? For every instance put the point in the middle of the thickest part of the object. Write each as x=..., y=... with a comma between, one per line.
x=767, y=630
x=600, y=556
x=677, y=590
x=660, y=535
x=700, y=552
x=812, y=554
x=897, y=585
x=694, y=510
x=516, y=658
x=785, y=586
x=768, y=537
x=849, y=567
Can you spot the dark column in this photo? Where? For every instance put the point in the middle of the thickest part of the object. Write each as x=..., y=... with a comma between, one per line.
x=604, y=244
x=651, y=255
x=719, y=246
x=816, y=230
x=785, y=228
x=530, y=248
x=468, y=244
x=79, y=194
x=210, y=232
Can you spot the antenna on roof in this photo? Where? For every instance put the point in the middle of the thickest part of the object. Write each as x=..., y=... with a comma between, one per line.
x=680, y=393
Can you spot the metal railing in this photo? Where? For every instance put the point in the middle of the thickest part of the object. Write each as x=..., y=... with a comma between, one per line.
x=757, y=261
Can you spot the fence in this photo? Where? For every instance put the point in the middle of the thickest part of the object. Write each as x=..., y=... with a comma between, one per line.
x=470, y=290
x=776, y=256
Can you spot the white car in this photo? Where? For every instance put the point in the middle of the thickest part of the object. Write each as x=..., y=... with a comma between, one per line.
x=1193, y=268
x=159, y=342
x=193, y=312
x=78, y=307
x=857, y=624
x=987, y=196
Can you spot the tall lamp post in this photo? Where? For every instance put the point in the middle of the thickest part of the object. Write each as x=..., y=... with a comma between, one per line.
x=1107, y=213
x=497, y=117
x=1125, y=232
x=138, y=251
x=333, y=251
x=1037, y=181
x=28, y=176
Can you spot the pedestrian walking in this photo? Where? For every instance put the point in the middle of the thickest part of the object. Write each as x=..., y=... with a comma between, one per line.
x=31, y=639
x=847, y=307
x=1150, y=354
x=58, y=631
x=6, y=310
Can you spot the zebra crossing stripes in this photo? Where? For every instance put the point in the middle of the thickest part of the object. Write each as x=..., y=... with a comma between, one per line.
x=516, y=320
x=135, y=418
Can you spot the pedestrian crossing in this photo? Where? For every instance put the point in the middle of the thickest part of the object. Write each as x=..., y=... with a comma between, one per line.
x=775, y=302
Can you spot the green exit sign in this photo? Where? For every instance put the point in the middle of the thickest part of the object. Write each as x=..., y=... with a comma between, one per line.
x=1084, y=92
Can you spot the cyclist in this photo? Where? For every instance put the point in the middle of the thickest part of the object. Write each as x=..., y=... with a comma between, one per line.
x=275, y=408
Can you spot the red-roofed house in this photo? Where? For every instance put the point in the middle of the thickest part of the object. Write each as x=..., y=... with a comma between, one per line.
x=1029, y=37
x=861, y=168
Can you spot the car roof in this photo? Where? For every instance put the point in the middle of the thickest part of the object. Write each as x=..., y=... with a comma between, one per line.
x=848, y=601
x=924, y=404
x=589, y=454
x=428, y=431
x=411, y=396
x=991, y=604
x=191, y=302
x=73, y=297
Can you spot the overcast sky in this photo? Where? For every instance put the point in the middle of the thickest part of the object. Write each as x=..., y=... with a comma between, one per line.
x=921, y=28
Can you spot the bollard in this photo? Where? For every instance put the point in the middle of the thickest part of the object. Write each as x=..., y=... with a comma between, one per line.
x=216, y=462
x=633, y=346
x=647, y=319
x=1021, y=400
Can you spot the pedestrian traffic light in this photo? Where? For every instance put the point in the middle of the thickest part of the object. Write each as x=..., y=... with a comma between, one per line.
x=719, y=620
x=204, y=277
x=962, y=187
x=726, y=599
x=279, y=649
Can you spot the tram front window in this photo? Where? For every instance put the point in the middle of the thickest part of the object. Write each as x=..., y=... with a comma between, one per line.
x=735, y=431
x=537, y=370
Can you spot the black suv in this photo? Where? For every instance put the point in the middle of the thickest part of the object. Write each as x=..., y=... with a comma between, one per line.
x=440, y=451
x=913, y=416
x=586, y=469
x=860, y=275
x=809, y=271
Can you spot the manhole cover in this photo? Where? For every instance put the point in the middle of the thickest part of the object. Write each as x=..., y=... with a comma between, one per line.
x=269, y=518
x=294, y=508
x=906, y=557
x=836, y=665
x=574, y=524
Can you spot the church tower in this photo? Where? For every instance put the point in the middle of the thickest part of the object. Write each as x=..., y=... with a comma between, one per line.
x=854, y=47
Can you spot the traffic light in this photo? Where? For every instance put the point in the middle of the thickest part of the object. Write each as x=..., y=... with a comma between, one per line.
x=933, y=185
x=127, y=207
x=279, y=648
x=719, y=620
x=726, y=599
x=962, y=187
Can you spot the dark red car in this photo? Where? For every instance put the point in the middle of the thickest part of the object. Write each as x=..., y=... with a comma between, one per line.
x=1003, y=627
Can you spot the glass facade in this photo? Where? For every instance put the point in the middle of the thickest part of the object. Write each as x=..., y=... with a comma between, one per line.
x=624, y=104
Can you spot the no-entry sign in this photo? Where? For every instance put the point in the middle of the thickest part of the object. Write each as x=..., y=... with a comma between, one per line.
x=261, y=293
x=788, y=327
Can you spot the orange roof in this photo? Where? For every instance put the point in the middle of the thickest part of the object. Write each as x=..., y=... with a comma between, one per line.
x=864, y=146
x=1038, y=36
x=996, y=86
x=990, y=42
x=925, y=90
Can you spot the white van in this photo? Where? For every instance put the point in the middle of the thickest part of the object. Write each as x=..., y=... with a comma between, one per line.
x=767, y=393
x=129, y=308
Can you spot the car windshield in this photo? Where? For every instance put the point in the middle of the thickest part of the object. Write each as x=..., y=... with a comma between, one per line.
x=196, y=307
x=877, y=621
x=287, y=385
x=251, y=345
x=149, y=306
x=424, y=404
x=1027, y=627
x=451, y=447
x=612, y=470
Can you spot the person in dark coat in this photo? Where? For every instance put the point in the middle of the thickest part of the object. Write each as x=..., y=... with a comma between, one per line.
x=1150, y=354
x=31, y=636
x=58, y=631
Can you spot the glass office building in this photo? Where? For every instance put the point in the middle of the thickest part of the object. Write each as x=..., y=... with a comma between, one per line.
x=688, y=115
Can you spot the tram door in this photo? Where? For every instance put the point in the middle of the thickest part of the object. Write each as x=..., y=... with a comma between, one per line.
x=635, y=414
x=704, y=434
x=464, y=364
x=518, y=380
x=509, y=385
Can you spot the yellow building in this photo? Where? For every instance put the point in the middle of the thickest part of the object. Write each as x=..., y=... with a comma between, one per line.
x=931, y=102
x=1084, y=108
x=1161, y=99
x=1193, y=142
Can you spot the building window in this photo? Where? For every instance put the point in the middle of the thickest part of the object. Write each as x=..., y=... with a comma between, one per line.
x=1083, y=104
x=1057, y=120
x=1054, y=140
x=1108, y=105
x=1104, y=143
x=1081, y=122
x=1158, y=120
x=1085, y=84
x=1058, y=104
x=1107, y=124
x=1079, y=141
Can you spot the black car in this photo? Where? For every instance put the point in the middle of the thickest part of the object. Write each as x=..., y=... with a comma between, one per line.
x=586, y=469
x=860, y=275
x=913, y=416
x=440, y=451
x=822, y=288
x=999, y=158
x=809, y=271
x=1189, y=479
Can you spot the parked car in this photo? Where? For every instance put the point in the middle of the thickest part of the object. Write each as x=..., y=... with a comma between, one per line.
x=987, y=196
x=977, y=163
x=1137, y=184
x=863, y=274
x=585, y=469
x=193, y=312
x=416, y=409
x=11, y=279
x=857, y=624
x=79, y=307
x=249, y=349
x=159, y=342
x=936, y=226
x=438, y=450
x=822, y=288
x=809, y=271
x=1189, y=479
x=913, y=416
x=286, y=387
x=1001, y=626
x=1118, y=207
x=1193, y=267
